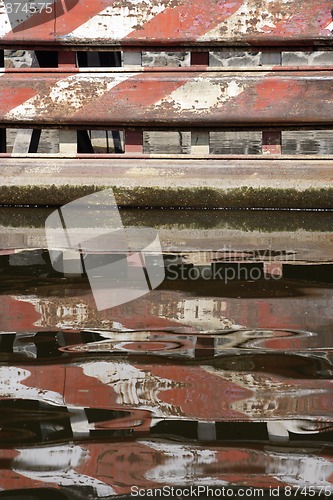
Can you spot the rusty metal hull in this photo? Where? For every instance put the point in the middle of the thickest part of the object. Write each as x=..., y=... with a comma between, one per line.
x=182, y=99
x=170, y=23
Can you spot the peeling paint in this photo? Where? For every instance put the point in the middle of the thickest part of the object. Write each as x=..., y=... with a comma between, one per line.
x=167, y=22
x=201, y=95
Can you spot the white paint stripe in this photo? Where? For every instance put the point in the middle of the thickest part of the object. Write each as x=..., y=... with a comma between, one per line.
x=299, y=469
x=202, y=94
x=11, y=386
x=65, y=97
x=118, y=22
x=243, y=20
x=79, y=422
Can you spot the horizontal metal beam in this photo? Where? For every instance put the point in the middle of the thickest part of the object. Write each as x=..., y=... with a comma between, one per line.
x=170, y=183
x=182, y=99
x=166, y=22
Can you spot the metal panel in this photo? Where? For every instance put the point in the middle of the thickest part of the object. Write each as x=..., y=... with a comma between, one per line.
x=165, y=99
x=169, y=22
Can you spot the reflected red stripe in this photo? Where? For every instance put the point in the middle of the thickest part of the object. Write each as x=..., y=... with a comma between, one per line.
x=195, y=396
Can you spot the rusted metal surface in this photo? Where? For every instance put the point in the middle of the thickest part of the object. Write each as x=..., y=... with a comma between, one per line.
x=164, y=99
x=169, y=22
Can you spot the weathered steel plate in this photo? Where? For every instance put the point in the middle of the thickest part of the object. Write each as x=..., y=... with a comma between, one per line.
x=108, y=468
x=182, y=99
x=166, y=22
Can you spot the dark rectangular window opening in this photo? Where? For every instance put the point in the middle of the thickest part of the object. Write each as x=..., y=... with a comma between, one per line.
x=98, y=59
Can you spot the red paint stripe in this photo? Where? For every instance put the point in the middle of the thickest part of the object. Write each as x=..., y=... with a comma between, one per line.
x=120, y=464
x=305, y=15
x=275, y=99
x=188, y=20
x=272, y=92
x=14, y=95
x=51, y=378
x=17, y=315
x=195, y=403
x=80, y=14
x=140, y=91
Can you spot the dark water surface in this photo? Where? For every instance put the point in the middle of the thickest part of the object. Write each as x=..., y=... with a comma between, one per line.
x=204, y=381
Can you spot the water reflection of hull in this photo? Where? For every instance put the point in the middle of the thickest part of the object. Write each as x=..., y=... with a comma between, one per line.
x=236, y=388
x=115, y=468
x=192, y=398
x=68, y=307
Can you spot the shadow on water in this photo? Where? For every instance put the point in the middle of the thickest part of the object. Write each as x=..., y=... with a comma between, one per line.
x=205, y=382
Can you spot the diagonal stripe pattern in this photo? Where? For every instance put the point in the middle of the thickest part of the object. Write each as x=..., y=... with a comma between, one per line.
x=165, y=22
